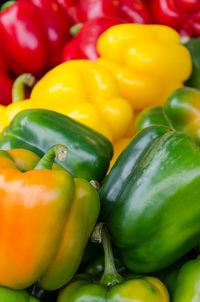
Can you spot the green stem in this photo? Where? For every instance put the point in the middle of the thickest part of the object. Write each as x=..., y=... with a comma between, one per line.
x=75, y=29
x=18, y=93
x=46, y=162
x=110, y=276
x=7, y=5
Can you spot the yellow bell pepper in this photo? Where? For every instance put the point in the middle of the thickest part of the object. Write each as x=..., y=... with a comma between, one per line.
x=84, y=91
x=148, y=61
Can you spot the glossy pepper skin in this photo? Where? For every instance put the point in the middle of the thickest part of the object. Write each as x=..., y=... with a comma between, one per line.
x=150, y=117
x=5, y=83
x=180, y=112
x=112, y=287
x=5, y=89
x=37, y=130
x=187, y=288
x=84, y=44
x=194, y=48
x=156, y=175
x=88, y=93
x=10, y=295
x=182, y=15
x=43, y=208
x=33, y=34
x=146, y=75
x=131, y=11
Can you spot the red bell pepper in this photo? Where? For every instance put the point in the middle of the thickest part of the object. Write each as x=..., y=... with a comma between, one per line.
x=5, y=83
x=182, y=15
x=5, y=88
x=32, y=35
x=83, y=45
x=131, y=10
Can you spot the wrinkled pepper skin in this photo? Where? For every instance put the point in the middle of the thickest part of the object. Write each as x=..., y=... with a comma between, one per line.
x=146, y=75
x=88, y=93
x=194, y=48
x=188, y=289
x=182, y=15
x=131, y=11
x=141, y=290
x=89, y=153
x=43, y=208
x=10, y=295
x=84, y=44
x=151, y=180
x=33, y=34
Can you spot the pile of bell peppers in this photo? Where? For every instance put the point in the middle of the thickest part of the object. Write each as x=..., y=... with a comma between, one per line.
x=101, y=148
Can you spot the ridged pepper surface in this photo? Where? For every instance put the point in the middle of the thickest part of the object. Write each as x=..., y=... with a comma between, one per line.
x=82, y=90
x=181, y=112
x=46, y=219
x=182, y=15
x=89, y=152
x=132, y=11
x=154, y=178
x=32, y=35
x=146, y=75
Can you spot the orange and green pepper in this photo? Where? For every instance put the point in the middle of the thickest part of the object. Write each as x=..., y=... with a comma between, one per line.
x=46, y=218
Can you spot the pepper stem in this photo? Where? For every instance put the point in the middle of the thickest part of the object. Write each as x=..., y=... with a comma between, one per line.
x=46, y=162
x=75, y=29
x=110, y=276
x=7, y=5
x=18, y=93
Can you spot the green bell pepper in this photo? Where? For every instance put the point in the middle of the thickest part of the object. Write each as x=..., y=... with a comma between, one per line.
x=10, y=295
x=155, y=177
x=181, y=112
x=188, y=283
x=89, y=152
x=150, y=117
x=112, y=287
x=194, y=48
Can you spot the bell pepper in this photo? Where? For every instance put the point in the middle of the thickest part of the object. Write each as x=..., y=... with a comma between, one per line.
x=130, y=10
x=194, y=48
x=10, y=295
x=154, y=177
x=150, y=117
x=84, y=91
x=146, y=75
x=182, y=15
x=37, y=130
x=5, y=83
x=5, y=89
x=112, y=286
x=84, y=44
x=181, y=112
x=42, y=239
x=33, y=34
x=187, y=288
